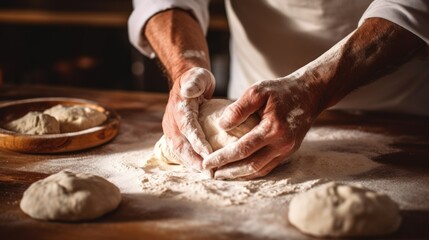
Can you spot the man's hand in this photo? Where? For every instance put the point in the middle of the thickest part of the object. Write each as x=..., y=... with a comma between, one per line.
x=287, y=110
x=179, y=43
x=180, y=123
x=288, y=106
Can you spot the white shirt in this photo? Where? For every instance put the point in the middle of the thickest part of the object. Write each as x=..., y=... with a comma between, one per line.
x=273, y=38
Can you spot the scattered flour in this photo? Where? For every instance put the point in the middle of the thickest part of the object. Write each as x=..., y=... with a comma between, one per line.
x=177, y=182
x=325, y=154
x=291, y=118
x=256, y=208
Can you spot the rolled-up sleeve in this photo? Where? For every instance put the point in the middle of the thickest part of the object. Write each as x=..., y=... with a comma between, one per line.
x=412, y=15
x=145, y=9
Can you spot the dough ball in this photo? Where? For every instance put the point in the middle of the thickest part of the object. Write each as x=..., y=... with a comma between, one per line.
x=209, y=115
x=66, y=196
x=34, y=123
x=76, y=118
x=339, y=210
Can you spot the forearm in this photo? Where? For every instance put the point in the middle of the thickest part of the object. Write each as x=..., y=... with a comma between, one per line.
x=178, y=41
x=373, y=50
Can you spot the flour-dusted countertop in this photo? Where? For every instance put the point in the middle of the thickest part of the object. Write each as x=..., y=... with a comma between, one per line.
x=384, y=152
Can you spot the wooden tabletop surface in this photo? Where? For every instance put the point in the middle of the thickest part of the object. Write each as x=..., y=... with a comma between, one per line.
x=127, y=223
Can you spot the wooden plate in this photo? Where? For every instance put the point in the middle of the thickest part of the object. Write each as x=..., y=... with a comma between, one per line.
x=54, y=143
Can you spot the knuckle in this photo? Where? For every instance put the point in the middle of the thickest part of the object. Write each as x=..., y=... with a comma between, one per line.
x=254, y=90
x=257, y=91
x=254, y=167
x=288, y=146
x=245, y=149
x=187, y=126
x=275, y=129
x=268, y=85
x=235, y=111
x=183, y=125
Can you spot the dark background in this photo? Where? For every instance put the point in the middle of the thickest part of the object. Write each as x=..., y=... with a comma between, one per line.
x=85, y=44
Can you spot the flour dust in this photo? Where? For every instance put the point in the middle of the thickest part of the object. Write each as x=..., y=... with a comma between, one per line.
x=325, y=154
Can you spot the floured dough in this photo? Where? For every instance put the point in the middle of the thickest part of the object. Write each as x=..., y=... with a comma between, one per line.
x=338, y=210
x=76, y=118
x=34, y=123
x=210, y=112
x=66, y=196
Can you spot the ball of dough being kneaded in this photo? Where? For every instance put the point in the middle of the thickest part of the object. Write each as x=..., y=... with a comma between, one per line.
x=76, y=118
x=339, y=210
x=34, y=123
x=209, y=114
x=66, y=196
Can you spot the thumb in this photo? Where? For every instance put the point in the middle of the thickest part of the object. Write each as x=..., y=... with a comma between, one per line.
x=196, y=82
x=236, y=113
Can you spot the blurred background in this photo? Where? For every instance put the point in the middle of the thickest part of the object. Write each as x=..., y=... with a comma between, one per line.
x=82, y=43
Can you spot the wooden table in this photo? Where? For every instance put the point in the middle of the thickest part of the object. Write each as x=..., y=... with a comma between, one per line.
x=128, y=223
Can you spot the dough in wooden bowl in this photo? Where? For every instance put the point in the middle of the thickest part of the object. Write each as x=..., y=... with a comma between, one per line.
x=76, y=118
x=339, y=210
x=34, y=123
x=66, y=196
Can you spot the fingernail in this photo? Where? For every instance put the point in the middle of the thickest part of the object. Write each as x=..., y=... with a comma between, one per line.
x=220, y=175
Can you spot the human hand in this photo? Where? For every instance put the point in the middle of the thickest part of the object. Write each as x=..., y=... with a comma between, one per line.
x=287, y=108
x=183, y=133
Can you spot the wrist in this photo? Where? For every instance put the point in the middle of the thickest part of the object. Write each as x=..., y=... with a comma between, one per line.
x=179, y=42
x=314, y=87
x=324, y=78
x=313, y=84
x=183, y=65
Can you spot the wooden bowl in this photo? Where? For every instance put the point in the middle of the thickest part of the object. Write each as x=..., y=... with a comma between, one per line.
x=54, y=143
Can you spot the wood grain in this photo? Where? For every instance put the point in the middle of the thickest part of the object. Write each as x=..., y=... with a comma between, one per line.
x=132, y=220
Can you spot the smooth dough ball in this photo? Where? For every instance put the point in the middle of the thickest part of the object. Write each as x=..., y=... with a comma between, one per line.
x=66, y=196
x=34, y=123
x=76, y=118
x=339, y=210
x=209, y=115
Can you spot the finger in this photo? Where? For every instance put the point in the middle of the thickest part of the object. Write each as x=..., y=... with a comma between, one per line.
x=190, y=127
x=279, y=160
x=196, y=82
x=249, y=166
x=241, y=149
x=265, y=170
x=176, y=148
x=182, y=152
x=236, y=113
